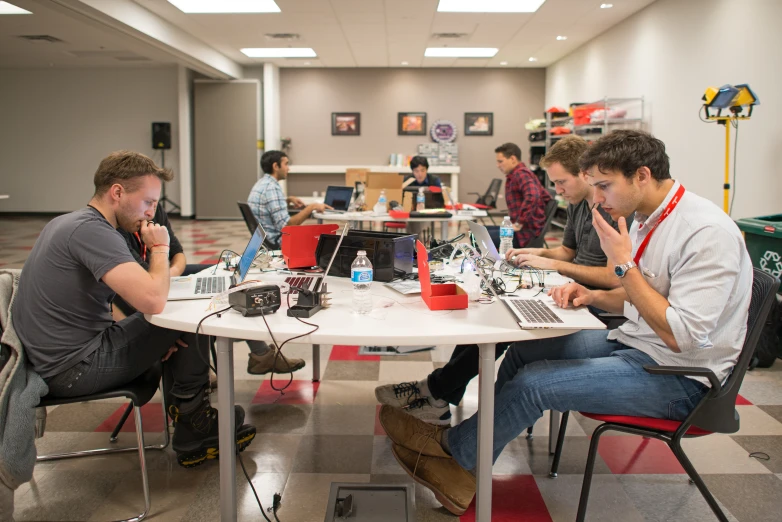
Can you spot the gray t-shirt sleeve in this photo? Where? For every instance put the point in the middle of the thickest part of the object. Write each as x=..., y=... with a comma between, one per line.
x=569, y=238
x=99, y=247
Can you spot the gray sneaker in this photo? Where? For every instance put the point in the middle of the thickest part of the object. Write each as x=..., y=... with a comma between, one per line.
x=398, y=395
x=424, y=410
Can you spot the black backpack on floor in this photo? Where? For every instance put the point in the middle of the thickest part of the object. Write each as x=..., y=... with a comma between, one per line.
x=769, y=346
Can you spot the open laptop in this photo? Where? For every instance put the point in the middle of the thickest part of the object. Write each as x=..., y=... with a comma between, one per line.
x=486, y=245
x=207, y=286
x=338, y=198
x=313, y=283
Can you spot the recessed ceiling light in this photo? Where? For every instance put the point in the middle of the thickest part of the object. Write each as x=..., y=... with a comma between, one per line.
x=226, y=6
x=561, y=37
x=489, y=6
x=606, y=6
x=503, y=63
x=6, y=8
x=405, y=63
x=280, y=52
x=533, y=59
x=460, y=52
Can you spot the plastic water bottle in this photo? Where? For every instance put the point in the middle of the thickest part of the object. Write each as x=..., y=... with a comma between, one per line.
x=380, y=206
x=361, y=275
x=506, y=236
x=420, y=199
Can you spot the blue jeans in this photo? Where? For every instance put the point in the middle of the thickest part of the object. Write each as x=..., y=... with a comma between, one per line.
x=583, y=371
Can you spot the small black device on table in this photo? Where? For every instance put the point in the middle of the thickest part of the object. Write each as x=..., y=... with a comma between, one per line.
x=260, y=300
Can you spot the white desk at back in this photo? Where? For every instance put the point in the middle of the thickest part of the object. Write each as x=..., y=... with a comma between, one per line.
x=371, y=217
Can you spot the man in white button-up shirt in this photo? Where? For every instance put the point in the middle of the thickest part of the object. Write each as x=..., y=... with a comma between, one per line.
x=686, y=283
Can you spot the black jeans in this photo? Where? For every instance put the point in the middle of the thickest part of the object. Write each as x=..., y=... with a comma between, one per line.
x=450, y=382
x=129, y=348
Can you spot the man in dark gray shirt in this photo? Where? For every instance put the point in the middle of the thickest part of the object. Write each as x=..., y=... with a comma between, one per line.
x=579, y=257
x=62, y=309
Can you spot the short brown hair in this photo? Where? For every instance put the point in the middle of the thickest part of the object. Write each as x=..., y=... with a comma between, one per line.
x=126, y=168
x=566, y=152
x=626, y=151
x=508, y=150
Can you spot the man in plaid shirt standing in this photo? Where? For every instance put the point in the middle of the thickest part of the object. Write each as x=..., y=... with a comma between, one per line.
x=525, y=196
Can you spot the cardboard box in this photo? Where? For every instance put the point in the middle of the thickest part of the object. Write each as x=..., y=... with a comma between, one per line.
x=377, y=181
x=448, y=296
x=353, y=175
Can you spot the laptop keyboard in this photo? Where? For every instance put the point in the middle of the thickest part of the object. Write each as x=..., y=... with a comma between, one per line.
x=534, y=311
x=209, y=285
x=300, y=281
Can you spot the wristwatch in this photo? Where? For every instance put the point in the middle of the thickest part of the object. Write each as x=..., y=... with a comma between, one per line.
x=621, y=270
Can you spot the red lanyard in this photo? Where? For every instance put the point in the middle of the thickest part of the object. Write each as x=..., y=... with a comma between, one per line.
x=671, y=205
x=143, y=247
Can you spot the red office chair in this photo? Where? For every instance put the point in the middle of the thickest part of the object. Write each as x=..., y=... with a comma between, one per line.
x=715, y=413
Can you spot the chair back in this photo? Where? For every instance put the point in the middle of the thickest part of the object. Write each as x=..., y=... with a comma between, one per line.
x=249, y=217
x=719, y=413
x=492, y=193
x=551, y=210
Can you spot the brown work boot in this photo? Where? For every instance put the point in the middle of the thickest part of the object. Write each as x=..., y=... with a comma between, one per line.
x=452, y=485
x=412, y=433
x=272, y=360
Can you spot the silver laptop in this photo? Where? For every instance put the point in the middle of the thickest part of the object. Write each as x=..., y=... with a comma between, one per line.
x=208, y=286
x=541, y=312
x=313, y=283
x=338, y=198
x=486, y=245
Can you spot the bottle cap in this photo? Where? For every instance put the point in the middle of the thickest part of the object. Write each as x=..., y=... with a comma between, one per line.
x=362, y=252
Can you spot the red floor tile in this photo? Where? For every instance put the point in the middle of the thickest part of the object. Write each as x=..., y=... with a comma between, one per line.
x=205, y=241
x=378, y=427
x=513, y=498
x=151, y=415
x=741, y=401
x=206, y=252
x=638, y=456
x=299, y=392
x=349, y=353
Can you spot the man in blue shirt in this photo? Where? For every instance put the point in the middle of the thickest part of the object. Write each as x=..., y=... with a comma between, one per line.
x=269, y=204
x=270, y=207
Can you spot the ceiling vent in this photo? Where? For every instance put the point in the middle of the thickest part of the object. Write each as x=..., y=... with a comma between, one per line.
x=282, y=37
x=40, y=38
x=449, y=36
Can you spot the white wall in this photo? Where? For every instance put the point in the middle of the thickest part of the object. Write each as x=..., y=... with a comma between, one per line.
x=57, y=124
x=669, y=53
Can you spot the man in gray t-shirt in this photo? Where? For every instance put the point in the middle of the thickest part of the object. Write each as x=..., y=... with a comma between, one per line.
x=580, y=255
x=62, y=310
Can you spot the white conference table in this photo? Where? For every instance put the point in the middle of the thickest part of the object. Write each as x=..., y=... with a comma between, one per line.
x=413, y=325
x=371, y=217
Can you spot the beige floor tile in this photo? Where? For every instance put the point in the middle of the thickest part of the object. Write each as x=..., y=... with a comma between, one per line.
x=404, y=371
x=342, y=420
x=607, y=501
x=273, y=453
x=344, y=393
x=715, y=454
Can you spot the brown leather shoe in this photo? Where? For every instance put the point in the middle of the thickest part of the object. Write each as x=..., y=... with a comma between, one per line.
x=273, y=359
x=452, y=485
x=412, y=433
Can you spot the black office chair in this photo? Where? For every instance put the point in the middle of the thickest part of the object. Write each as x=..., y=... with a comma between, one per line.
x=252, y=223
x=140, y=391
x=540, y=240
x=715, y=413
x=488, y=201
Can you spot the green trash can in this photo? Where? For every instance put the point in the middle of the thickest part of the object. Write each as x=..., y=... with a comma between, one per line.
x=763, y=236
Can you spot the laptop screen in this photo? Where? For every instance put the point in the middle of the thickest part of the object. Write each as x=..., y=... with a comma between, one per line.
x=339, y=198
x=249, y=253
x=485, y=243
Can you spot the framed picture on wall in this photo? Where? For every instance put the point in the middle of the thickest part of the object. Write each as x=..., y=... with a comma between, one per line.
x=345, y=123
x=411, y=124
x=478, y=123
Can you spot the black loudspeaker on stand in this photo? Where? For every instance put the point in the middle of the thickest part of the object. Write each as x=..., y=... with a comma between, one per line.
x=161, y=140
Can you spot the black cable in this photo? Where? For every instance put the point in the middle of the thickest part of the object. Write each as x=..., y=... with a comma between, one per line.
x=247, y=476
x=735, y=153
x=276, y=505
x=196, y=335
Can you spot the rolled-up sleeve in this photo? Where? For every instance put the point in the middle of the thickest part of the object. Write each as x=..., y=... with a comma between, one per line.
x=704, y=276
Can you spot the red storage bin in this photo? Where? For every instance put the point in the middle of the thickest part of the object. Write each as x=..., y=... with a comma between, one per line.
x=299, y=243
x=448, y=296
